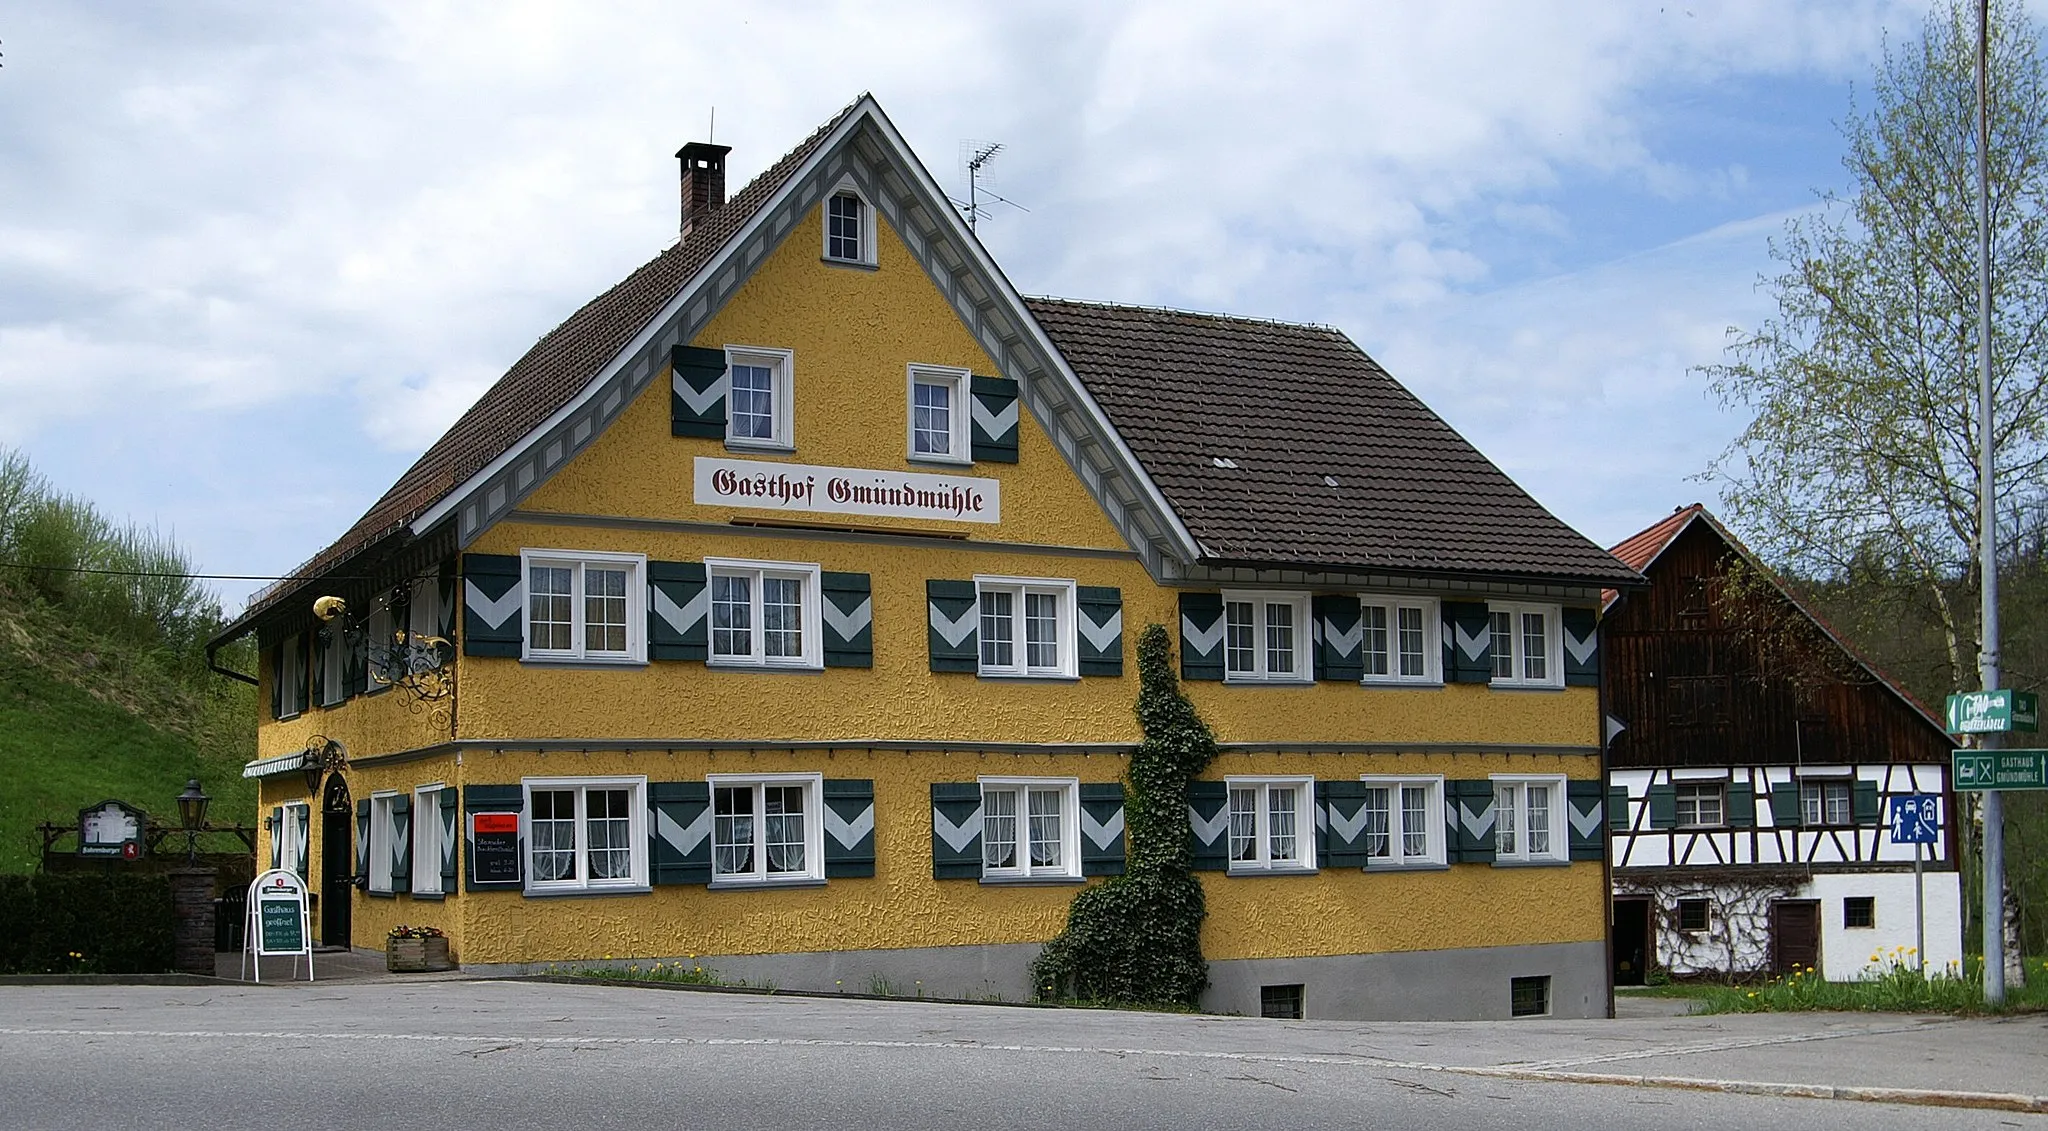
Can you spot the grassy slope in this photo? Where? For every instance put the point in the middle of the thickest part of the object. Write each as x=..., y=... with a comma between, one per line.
x=83, y=720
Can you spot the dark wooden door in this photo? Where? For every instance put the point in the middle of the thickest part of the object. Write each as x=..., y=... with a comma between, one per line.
x=337, y=864
x=1631, y=921
x=1795, y=935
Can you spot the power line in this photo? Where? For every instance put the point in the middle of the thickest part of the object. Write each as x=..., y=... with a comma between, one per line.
x=190, y=576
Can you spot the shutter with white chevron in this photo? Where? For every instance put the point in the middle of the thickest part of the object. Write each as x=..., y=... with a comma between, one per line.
x=1201, y=636
x=956, y=830
x=451, y=831
x=302, y=835
x=1469, y=816
x=992, y=406
x=1468, y=642
x=697, y=386
x=401, y=843
x=679, y=831
x=1340, y=823
x=1338, y=638
x=1581, y=647
x=1101, y=622
x=677, y=607
x=363, y=842
x=277, y=837
x=848, y=609
x=1209, y=826
x=492, y=620
x=849, y=827
x=953, y=619
x=1583, y=801
x=1102, y=828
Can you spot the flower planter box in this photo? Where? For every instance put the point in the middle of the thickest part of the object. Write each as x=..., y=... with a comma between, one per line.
x=407, y=956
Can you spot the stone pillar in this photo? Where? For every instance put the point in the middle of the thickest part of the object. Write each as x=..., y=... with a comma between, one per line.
x=192, y=908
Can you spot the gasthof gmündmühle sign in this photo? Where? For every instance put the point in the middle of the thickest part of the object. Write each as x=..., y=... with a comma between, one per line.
x=847, y=490
x=1993, y=712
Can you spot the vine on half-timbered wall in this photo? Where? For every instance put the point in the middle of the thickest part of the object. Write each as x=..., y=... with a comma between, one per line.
x=1737, y=940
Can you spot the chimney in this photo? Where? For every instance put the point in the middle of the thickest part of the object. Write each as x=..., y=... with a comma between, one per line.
x=703, y=181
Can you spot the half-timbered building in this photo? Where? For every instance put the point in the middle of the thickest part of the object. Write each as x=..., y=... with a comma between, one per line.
x=1752, y=758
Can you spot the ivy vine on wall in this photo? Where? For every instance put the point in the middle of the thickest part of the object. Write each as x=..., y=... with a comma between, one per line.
x=1137, y=937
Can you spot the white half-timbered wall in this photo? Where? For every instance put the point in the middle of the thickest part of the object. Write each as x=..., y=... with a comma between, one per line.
x=1636, y=845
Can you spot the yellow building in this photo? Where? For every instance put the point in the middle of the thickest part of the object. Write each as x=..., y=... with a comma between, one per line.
x=776, y=612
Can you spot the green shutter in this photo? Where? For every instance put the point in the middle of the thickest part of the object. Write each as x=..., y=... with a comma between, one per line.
x=301, y=697
x=1582, y=801
x=491, y=799
x=493, y=623
x=849, y=826
x=849, y=611
x=1209, y=826
x=956, y=830
x=401, y=843
x=355, y=665
x=679, y=832
x=1338, y=638
x=993, y=410
x=697, y=389
x=1469, y=819
x=1340, y=821
x=1863, y=802
x=303, y=834
x=1468, y=642
x=1581, y=638
x=1201, y=636
x=363, y=843
x=1101, y=625
x=451, y=831
x=1741, y=805
x=277, y=678
x=677, y=604
x=1102, y=828
x=1663, y=806
x=1785, y=809
x=953, y=620
x=1617, y=808
x=277, y=837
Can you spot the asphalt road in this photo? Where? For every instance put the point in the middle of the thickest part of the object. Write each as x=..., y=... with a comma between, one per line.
x=453, y=1055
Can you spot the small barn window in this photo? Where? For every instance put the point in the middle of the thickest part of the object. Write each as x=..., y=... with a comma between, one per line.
x=1693, y=915
x=1859, y=911
x=1529, y=997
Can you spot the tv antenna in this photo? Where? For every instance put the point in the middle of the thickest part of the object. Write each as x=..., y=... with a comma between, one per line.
x=974, y=159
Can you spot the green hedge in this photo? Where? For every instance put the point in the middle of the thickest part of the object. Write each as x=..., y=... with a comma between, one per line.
x=85, y=923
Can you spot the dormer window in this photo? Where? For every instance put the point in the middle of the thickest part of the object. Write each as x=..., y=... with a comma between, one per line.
x=849, y=227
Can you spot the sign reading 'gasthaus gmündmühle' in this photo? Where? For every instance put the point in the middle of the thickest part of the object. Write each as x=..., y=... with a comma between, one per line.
x=847, y=490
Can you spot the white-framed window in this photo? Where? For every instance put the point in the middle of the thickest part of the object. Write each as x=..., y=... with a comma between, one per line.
x=1399, y=640
x=939, y=412
x=582, y=834
x=1700, y=804
x=423, y=607
x=1030, y=829
x=291, y=676
x=849, y=226
x=1526, y=645
x=1404, y=820
x=1027, y=627
x=378, y=635
x=767, y=828
x=333, y=664
x=765, y=614
x=586, y=605
x=426, y=840
x=292, y=837
x=381, y=829
x=1265, y=637
x=759, y=381
x=1826, y=802
x=1272, y=824
x=1528, y=820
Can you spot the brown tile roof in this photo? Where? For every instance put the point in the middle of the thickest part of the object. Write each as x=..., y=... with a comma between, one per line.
x=1295, y=407
x=1638, y=550
x=558, y=367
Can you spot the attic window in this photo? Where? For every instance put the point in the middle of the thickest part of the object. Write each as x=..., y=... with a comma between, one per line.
x=849, y=226
x=1222, y=461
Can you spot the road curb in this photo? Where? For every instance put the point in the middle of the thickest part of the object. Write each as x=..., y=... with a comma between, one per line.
x=1918, y=1097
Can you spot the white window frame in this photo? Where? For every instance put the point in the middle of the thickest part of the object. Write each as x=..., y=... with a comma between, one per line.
x=1432, y=638
x=1715, y=787
x=1304, y=631
x=575, y=560
x=426, y=840
x=423, y=607
x=1066, y=629
x=1263, y=861
x=291, y=674
x=813, y=785
x=847, y=187
x=1557, y=821
x=379, y=629
x=636, y=834
x=1069, y=867
x=962, y=411
x=781, y=366
x=1817, y=817
x=334, y=673
x=297, y=815
x=812, y=577
x=380, y=841
x=1397, y=855
x=1553, y=640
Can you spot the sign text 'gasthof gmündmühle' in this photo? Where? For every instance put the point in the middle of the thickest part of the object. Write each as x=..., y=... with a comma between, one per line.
x=847, y=490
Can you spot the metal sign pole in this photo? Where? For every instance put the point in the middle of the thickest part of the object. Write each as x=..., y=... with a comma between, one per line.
x=1987, y=526
x=1919, y=912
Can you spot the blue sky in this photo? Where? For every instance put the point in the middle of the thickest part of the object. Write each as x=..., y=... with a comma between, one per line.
x=254, y=258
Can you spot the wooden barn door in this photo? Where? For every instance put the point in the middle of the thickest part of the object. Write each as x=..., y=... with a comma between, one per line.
x=1795, y=935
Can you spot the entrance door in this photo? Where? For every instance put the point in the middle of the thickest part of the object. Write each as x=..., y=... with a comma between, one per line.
x=337, y=863
x=1795, y=935
x=1631, y=923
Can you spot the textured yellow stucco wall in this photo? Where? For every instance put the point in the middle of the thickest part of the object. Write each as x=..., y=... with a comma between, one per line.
x=365, y=724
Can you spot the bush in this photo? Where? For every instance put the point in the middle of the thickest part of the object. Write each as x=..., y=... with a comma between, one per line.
x=85, y=923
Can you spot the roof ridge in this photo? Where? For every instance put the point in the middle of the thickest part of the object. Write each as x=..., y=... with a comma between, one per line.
x=1217, y=315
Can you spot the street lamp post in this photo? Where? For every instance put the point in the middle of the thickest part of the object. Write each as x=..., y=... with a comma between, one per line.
x=192, y=814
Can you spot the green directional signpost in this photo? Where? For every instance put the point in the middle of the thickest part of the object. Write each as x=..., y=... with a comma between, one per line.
x=1993, y=712
x=2001, y=769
